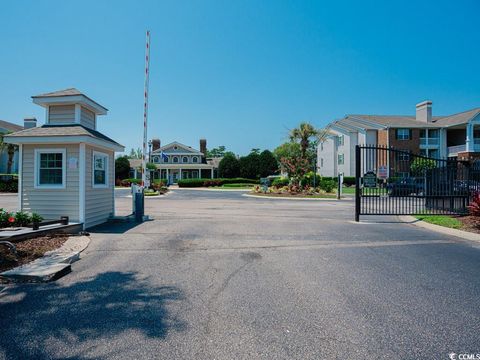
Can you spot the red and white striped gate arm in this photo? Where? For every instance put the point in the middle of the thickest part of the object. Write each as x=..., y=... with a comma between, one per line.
x=145, y=110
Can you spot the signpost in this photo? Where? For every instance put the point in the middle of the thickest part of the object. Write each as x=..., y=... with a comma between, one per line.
x=370, y=179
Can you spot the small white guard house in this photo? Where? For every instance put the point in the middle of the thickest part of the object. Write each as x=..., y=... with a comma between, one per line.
x=67, y=166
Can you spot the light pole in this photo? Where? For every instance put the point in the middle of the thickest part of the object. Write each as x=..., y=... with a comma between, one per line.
x=150, y=151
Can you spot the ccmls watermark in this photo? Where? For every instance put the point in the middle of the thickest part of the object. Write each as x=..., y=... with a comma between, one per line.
x=464, y=356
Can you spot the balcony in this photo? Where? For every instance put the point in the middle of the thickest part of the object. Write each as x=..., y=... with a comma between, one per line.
x=454, y=150
x=431, y=141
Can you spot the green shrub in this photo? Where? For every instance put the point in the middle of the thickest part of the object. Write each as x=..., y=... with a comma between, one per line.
x=213, y=182
x=280, y=182
x=20, y=218
x=349, y=180
x=327, y=185
x=129, y=182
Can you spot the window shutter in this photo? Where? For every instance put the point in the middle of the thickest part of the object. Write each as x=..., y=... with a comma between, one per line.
x=410, y=137
x=396, y=134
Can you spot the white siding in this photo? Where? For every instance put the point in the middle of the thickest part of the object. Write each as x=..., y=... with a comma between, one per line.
x=61, y=114
x=50, y=203
x=98, y=201
x=328, y=153
x=87, y=118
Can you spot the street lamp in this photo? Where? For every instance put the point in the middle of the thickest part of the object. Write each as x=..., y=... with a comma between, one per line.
x=150, y=151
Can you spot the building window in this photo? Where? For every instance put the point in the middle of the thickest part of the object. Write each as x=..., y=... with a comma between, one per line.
x=100, y=169
x=175, y=159
x=403, y=156
x=341, y=159
x=50, y=169
x=341, y=140
x=321, y=162
x=185, y=159
x=195, y=159
x=403, y=134
x=156, y=159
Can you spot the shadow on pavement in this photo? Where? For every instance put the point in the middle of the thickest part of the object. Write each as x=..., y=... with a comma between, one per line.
x=76, y=319
x=113, y=227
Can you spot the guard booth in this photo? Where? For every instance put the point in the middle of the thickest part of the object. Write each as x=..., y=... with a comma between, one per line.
x=66, y=166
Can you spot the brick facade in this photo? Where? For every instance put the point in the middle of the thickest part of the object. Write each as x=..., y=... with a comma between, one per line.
x=412, y=145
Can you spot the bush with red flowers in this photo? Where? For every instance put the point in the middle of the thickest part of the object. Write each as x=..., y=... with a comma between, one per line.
x=20, y=218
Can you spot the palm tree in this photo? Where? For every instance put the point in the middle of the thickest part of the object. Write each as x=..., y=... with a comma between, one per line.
x=303, y=134
x=10, y=148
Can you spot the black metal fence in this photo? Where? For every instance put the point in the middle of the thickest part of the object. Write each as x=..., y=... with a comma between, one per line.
x=397, y=182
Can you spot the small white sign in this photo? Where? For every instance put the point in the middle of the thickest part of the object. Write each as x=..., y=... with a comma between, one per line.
x=72, y=163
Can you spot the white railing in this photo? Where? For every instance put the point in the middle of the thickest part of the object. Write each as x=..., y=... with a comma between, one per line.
x=430, y=141
x=454, y=150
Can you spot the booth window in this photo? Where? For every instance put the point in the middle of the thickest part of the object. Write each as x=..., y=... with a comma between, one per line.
x=50, y=168
x=100, y=169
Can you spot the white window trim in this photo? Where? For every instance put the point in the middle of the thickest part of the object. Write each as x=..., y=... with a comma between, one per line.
x=195, y=160
x=183, y=158
x=107, y=164
x=36, y=168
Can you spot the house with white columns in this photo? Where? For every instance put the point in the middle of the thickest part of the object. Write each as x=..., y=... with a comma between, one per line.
x=176, y=161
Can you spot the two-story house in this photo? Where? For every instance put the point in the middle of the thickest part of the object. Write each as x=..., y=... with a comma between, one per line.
x=8, y=152
x=176, y=161
x=452, y=136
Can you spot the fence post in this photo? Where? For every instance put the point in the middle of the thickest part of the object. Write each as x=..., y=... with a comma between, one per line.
x=357, y=182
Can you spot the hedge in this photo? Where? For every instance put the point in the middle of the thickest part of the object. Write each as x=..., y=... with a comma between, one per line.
x=214, y=182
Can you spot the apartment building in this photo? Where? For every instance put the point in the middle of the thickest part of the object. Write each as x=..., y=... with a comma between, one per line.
x=452, y=136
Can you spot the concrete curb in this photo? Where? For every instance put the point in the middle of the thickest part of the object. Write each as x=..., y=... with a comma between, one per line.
x=441, y=229
x=209, y=189
x=291, y=198
x=52, y=266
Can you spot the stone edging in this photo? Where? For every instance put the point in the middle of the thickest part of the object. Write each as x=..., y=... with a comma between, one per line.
x=53, y=265
x=292, y=198
x=441, y=229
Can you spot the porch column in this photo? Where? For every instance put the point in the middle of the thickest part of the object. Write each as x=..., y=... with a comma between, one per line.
x=180, y=175
x=211, y=173
x=168, y=179
x=469, y=138
x=199, y=173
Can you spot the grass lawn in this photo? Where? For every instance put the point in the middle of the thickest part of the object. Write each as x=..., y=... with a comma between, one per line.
x=236, y=186
x=442, y=220
x=348, y=190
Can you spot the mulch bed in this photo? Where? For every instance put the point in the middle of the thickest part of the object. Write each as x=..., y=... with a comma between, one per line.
x=470, y=223
x=29, y=250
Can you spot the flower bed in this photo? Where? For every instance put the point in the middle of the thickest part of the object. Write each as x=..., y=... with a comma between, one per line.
x=294, y=191
x=18, y=219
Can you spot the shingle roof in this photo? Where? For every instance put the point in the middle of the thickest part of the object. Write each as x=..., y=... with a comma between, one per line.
x=65, y=92
x=460, y=118
x=10, y=126
x=396, y=121
x=62, y=130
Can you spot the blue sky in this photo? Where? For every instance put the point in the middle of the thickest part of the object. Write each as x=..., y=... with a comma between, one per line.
x=240, y=73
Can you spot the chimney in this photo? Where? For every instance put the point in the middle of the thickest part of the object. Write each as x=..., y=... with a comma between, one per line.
x=203, y=147
x=29, y=123
x=155, y=144
x=424, y=112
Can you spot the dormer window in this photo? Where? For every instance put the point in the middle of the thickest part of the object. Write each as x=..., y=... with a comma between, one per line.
x=175, y=159
x=195, y=159
x=185, y=159
x=155, y=159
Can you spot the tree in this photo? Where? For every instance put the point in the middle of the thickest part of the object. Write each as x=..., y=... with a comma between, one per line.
x=135, y=154
x=255, y=151
x=229, y=166
x=10, y=149
x=216, y=152
x=250, y=166
x=122, y=167
x=268, y=164
x=303, y=134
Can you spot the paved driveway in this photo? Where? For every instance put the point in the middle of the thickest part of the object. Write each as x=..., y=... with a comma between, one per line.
x=219, y=276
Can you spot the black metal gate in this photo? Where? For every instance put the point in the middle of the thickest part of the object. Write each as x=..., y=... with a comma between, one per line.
x=398, y=182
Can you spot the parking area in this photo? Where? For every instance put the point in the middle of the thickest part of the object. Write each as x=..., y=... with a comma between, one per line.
x=219, y=275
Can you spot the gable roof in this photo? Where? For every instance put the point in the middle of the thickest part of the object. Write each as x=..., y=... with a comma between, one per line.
x=372, y=122
x=61, y=131
x=185, y=148
x=10, y=126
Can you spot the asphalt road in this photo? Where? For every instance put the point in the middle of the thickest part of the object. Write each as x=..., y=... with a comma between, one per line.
x=219, y=276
